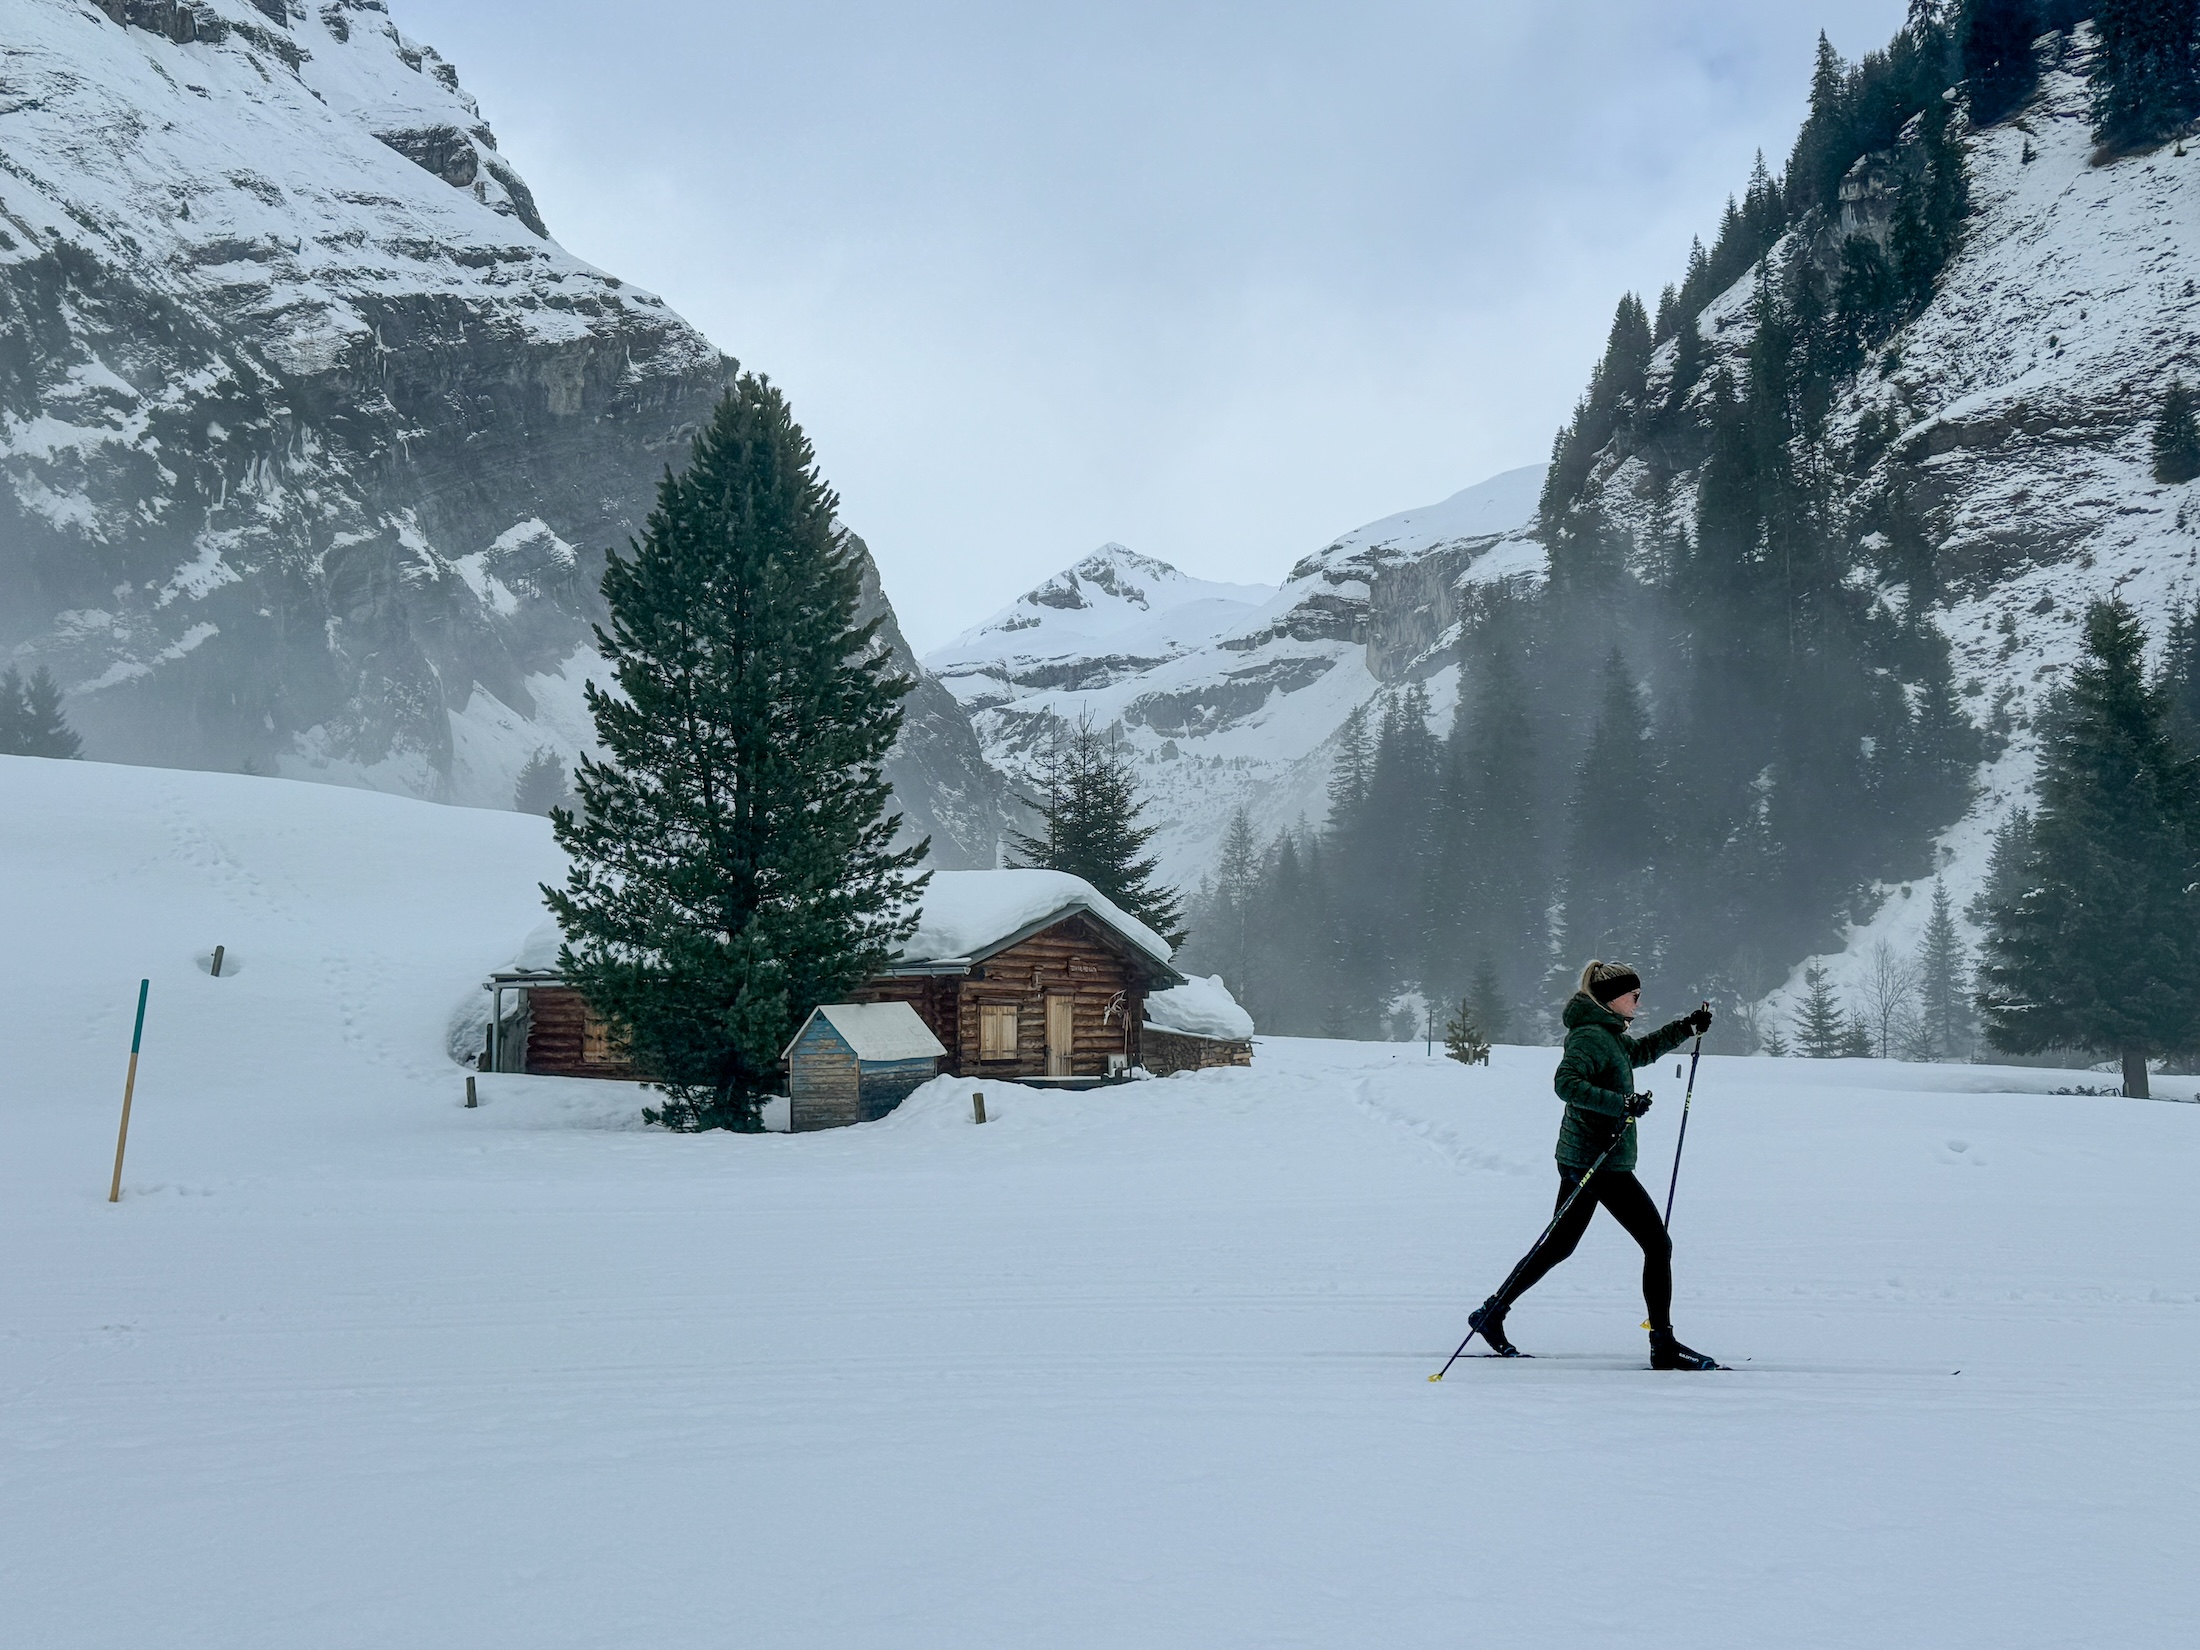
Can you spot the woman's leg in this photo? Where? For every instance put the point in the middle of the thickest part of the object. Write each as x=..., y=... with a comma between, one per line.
x=1635, y=1209
x=1559, y=1244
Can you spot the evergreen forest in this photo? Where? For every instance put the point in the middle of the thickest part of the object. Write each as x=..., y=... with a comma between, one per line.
x=1728, y=722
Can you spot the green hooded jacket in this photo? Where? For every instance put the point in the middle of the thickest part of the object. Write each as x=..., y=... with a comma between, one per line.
x=1596, y=1078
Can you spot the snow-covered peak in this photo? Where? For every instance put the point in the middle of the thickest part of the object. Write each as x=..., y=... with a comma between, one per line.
x=1500, y=507
x=1115, y=601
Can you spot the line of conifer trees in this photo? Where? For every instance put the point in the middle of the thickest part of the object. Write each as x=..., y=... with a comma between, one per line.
x=1706, y=745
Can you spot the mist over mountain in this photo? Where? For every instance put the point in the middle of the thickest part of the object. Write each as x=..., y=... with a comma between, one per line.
x=1762, y=654
x=312, y=440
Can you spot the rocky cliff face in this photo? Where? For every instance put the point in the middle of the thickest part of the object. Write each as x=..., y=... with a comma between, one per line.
x=311, y=439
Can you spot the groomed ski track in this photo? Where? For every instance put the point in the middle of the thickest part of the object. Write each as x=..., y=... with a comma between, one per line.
x=351, y=1365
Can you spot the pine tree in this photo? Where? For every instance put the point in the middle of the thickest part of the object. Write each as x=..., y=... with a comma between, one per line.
x=1614, y=835
x=1226, y=920
x=2097, y=946
x=1089, y=827
x=1348, y=774
x=1947, y=1025
x=31, y=722
x=542, y=784
x=2180, y=677
x=1486, y=1001
x=731, y=860
x=1465, y=1039
x=2176, y=437
x=2146, y=72
x=1822, y=1031
x=1995, y=39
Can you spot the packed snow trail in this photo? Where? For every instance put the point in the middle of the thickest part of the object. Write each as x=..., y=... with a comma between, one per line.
x=351, y=1365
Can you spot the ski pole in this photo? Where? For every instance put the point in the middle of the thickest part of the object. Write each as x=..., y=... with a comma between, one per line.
x=1580, y=1186
x=1681, y=1143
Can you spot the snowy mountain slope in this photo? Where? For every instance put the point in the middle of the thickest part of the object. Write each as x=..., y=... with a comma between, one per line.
x=1114, y=613
x=2018, y=407
x=1223, y=702
x=349, y=1364
x=311, y=440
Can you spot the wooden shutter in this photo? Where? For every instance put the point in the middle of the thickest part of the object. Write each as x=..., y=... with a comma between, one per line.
x=997, y=1031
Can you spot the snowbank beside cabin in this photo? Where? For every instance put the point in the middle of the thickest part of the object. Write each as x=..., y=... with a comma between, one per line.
x=1199, y=1008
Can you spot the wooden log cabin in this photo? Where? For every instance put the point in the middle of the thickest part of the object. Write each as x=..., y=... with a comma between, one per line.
x=1030, y=975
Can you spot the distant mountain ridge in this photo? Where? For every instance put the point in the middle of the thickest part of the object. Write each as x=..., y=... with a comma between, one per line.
x=1230, y=695
x=312, y=441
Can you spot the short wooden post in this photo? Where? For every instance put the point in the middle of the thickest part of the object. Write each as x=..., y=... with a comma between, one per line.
x=471, y=1102
x=129, y=1086
x=977, y=1107
x=216, y=970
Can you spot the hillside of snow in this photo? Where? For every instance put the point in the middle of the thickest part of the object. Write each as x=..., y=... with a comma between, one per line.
x=2019, y=406
x=312, y=440
x=351, y=1364
x=1230, y=696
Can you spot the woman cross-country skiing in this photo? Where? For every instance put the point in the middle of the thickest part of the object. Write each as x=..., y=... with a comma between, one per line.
x=1596, y=1079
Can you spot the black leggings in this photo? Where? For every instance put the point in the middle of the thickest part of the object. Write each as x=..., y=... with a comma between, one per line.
x=1619, y=1191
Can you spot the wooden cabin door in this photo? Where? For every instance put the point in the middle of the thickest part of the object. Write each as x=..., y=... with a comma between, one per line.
x=1061, y=1034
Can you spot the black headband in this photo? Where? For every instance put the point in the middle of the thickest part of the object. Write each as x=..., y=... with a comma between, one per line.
x=1613, y=986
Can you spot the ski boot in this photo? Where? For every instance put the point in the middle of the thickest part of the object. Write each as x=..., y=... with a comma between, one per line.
x=1668, y=1353
x=1488, y=1321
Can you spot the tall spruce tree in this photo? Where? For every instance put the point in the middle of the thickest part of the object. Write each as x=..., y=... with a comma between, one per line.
x=2180, y=677
x=1947, y=1024
x=31, y=722
x=2176, y=437
x=1822, y=1031
x=2146, y=70
x=1614, y=835
x=1089, y=814
x=1995, y=39
x=2097, y=944
x=542, y=784
x=732, y=859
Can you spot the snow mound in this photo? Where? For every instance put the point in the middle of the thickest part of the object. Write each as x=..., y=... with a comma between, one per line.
x=1201, y=1008
x=968, y=912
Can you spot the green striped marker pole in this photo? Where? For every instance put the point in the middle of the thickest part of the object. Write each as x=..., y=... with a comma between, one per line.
x=129, y=1085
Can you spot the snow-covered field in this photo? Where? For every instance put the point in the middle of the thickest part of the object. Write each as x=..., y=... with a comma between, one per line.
x=351, y=1365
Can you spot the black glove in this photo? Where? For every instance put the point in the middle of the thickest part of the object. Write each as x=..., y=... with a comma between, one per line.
x=1637, y=1104
x=1699, y=1022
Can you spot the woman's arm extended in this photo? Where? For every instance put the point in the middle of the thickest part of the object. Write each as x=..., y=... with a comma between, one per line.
x=1572, y=1081
x=1656, y=1044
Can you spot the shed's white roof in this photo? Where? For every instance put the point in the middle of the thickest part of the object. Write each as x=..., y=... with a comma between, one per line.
x=966, y=913
x=876, y=1031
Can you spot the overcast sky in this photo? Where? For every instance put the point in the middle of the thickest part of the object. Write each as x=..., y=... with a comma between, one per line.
x=1219, y=281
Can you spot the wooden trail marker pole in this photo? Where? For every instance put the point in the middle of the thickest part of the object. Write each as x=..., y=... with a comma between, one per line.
x=977, y=1107
x=471, y=1101
x=216, y=970
x=129, y=1086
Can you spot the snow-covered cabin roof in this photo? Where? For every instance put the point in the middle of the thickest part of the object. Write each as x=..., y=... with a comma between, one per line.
x=875, y=1031
x=969, y=915
x=1200, y=1008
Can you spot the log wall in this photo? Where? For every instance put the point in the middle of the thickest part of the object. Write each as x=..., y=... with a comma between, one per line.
x=565, y=1040
x=1173, y=1051
x=1074, y=958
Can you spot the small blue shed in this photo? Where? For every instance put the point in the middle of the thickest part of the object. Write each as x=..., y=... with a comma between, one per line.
x=854, y=1062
